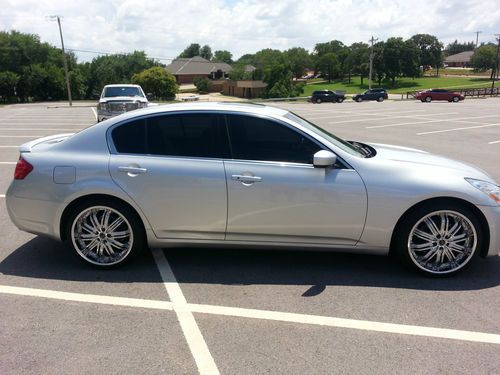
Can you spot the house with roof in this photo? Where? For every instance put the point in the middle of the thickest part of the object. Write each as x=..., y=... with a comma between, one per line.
x=460, y=60
x=186, y=70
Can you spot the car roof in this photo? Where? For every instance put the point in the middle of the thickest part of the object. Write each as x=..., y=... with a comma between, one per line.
x=207, y=106
x=122, y=85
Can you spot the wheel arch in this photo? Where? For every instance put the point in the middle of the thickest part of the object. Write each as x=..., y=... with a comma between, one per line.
x=97, y=197
x=477, y=212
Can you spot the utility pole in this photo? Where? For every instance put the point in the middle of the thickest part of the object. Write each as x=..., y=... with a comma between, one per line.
x=494, y=74
x=372, y=40
x=68, y=87
x=477, y=37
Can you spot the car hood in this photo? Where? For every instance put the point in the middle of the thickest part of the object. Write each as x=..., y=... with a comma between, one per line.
x=124, y=99
x=424, y=158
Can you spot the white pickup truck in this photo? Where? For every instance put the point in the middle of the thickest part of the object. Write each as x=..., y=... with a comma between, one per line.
x=117, y=99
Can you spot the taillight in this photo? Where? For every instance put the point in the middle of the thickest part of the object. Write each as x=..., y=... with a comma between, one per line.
x=23, y=168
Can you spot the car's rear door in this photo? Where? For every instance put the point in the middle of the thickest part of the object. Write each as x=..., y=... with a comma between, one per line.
x=275, y=194
x=171, y=166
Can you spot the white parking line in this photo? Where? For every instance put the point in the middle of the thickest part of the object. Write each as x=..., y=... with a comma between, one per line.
x=95, y=113
x=2, y=195
x=494, y=142
x=430, y=121
x=189, y=308
x=21, y=136
x=457, y=129
x=8, y=162
x=199, y=349
x=9, y=146
x=36, y=129
x=89, y=298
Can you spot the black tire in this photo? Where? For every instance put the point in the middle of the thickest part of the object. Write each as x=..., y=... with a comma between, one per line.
x=380, y=99
x=428, y=99
x=359, y=100
x=455, y=99
x=340, y=100
x=318, y=100
x=115, y=246
x=411, y=248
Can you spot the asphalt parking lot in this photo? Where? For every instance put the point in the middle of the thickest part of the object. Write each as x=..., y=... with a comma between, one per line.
x=186, y=311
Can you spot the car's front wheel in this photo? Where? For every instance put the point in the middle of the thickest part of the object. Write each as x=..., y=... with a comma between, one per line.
x=428, y=99
x=439, y=239
x=359, y=99
x=455, y=99
x=340, y=100
x=105, y=234
x=318, y=100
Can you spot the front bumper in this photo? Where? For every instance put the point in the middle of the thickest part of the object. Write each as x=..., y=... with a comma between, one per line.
x=492, y=215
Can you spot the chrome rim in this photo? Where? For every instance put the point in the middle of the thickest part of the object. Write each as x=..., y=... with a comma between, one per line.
x=102, y=235
x=442, y=242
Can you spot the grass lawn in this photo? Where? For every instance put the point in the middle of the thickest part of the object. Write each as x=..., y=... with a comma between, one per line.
x=402, y=84
x=458, y=72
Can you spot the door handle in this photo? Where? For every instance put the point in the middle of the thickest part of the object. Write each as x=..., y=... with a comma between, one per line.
x=133, y=170
x=247, y=179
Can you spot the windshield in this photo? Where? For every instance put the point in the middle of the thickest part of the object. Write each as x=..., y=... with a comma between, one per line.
x=122, y=91
x=340, y=143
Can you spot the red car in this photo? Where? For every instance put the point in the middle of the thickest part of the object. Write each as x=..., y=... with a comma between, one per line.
x=439, y=94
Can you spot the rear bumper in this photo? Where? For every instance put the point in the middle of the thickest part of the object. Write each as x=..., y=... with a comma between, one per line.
x=492, y=215
x=32, y=215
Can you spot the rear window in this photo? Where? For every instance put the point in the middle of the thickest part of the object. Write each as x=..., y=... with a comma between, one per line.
x=130, y=138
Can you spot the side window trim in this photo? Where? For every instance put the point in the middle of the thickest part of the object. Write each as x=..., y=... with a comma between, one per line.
x=343, y=165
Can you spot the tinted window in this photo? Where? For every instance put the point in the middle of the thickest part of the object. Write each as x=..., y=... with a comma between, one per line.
x=195, y=135
x=254, y=138
x=122, y=91
x=130, y=138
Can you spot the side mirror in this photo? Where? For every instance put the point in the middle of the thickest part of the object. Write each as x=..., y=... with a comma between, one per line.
x=323, y=159
x=149, y=96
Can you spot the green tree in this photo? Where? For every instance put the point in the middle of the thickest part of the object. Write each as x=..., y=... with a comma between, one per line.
x=191, y=51
x=247, y=59
x=378, y=72
x=357, y=62
x=485, y=58
x=393, y=58
x=278, y=76
x=299, y=59
x=206, y=52
x=223, y=56
x=8, y=82
x=431, y=50
x=157, y=81
x=410, y=59
x=202, y=84
x=329, y=65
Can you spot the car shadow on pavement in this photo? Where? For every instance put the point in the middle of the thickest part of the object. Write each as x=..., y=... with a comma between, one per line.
x=44, y=258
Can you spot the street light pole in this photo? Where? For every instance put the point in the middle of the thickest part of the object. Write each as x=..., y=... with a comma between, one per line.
x=494, y=74
x=477, y=37
x=372, y=40
x=68, y=87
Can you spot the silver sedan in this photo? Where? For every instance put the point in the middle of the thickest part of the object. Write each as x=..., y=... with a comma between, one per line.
x=213, y=174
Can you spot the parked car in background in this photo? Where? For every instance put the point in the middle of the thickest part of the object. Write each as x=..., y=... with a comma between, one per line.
x=117, y=99
x=321, y=96
x=374, y=94
x=220, y=174
x=439, y=94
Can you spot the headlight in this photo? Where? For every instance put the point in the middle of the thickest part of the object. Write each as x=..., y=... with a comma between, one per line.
x=491, y=190
x=101, y=106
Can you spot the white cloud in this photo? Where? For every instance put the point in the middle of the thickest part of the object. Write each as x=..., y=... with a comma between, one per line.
x=165, y=28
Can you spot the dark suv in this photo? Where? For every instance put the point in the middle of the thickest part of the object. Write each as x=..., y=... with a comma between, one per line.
x=374, y=94
x=327, y=96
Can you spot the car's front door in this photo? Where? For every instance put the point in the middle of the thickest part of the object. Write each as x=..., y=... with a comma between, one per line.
x=172, y=167
x=275, y=193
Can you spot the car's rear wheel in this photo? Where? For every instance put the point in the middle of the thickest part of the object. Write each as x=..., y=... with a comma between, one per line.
x=318, y=100
x=380, y=99
x=340, y=100
x=359, y=100
x=455, y=99
x=439, y=239
x=105, y=234
x=428, y=99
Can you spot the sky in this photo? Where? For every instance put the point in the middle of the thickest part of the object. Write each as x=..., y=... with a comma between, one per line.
x=163, y=28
